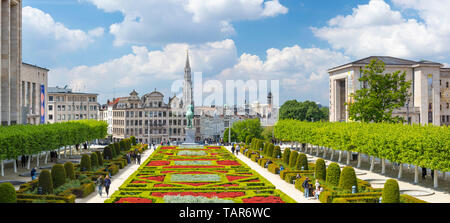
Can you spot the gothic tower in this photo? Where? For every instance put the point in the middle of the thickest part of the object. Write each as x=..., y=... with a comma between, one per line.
x=187, y=90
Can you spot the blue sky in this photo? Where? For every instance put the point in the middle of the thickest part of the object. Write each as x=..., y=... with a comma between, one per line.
x=114, y=46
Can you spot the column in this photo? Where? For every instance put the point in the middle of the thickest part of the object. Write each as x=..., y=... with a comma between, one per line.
x=5, y=50
x=14, y=65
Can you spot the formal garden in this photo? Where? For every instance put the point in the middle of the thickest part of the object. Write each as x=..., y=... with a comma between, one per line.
x=198, y=174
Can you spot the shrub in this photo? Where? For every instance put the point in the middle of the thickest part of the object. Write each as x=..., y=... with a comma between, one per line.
x=274, y=168
x=116, y=147
x=133, y=140
x=276, y=152
x=107, y=153
x=70, y=173
x=302, y=161
x=320, y=171
x=99, y=158
x=270, y=150
x=247, y=140
x=45, y=181
x=286, y=154
x=348, y=178
x=58, y=175
x=94, y=160
x=333, y=174
x=293, y=158
x=266, y=145
x=391, y=192
x=114, y=169
x=260, y=145
x=122, y=145
x=340, y=200
x=7, y=193
x=85, y=164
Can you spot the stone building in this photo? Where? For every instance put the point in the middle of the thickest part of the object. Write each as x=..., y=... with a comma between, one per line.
x=430, y=94
x=65, y=105
x=34, y=94
x=11, y=50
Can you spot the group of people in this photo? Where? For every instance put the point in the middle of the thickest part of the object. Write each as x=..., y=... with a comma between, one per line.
x=134, y=157
x=235, y=148
x=309, y=190
x=103, y=183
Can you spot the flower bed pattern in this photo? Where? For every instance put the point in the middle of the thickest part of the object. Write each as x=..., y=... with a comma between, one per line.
x=212, y=173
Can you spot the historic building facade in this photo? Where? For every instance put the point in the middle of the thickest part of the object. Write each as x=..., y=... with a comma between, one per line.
x=34, y=94
x=430, y=92
x=65, y=105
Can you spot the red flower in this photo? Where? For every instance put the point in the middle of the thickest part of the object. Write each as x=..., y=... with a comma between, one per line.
x=195, y=172
x=203, y=194
x=168, y=171
x=231, y=178
x=133, y=200
x=139, y=182
x=269, y=199
x=158, y=163
x=196, y=167
x=228, y=162
x=191, y=159
x=229, y=185
x=155, y=178
x=163, y=185
x=168, y=147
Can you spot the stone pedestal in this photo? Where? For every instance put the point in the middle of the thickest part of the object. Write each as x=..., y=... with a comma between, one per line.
x=190, y=136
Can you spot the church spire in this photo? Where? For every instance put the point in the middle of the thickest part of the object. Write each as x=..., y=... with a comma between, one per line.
x=187, y=67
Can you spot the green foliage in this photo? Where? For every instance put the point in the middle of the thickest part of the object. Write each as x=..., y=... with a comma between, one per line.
x=286, y=154
x=122, y=145
x=383, y=93
x=303, y=111
x=267, y=133
x=194, y=199
x=58, y=175
x=250, y=127
x=99, y=158
x=226, y=134
x=107, y=153
x=247, y=140
x=270, y=149
x=293, y=158
x=348, y=178
x=302, y=161
x=45, y=181
x=133, y=140
x=85, y=163
x=94, y=160
x=320, y=171
x=266, y=146
x=273, y=168
x=333, y=174
x=7, y=193
x=116, y=147
x=70, y=173
x=276, y=152
x=391, y=192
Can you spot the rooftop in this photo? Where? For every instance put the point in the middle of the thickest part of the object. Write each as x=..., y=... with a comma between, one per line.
x=64, y=90
x=387, y=61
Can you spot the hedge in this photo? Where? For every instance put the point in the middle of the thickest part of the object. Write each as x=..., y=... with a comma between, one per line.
x=274, y=168
x=333, y=174
x=270, y=149
x=45, y=181
x=391, y=192
x=7, y=193
x=68, y=166
x=293, y=158
x=348, y=178
x=94, y=160
x=320, y=170
x=302, y=161
x=276, y=152
x=286, y=154
x=85, y=164
x=58, y=175
x=107, y=153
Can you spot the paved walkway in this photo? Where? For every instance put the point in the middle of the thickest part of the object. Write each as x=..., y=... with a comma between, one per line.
x=378, y=180
x=275, y=179
x=116, y=181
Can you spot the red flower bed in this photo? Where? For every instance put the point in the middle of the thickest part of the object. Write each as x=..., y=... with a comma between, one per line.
x=231, y=178
x=229, y=185
x=194, y=172
x=163, y=185
x=214, y=154
x=168, y=147
x=228, y=162
x=194, y=184
x=191, y=159
x=168, y=171
x=155, y=178
x=158, y=163
x=203, y=194
x=173, y=167
x=221, y=171
x=139, y=182
x=133, y=200
x=269, y=199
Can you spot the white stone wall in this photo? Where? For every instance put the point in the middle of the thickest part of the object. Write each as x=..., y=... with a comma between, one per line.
x=30, y=75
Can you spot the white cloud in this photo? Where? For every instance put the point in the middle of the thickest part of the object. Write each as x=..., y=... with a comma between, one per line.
x=302, y=71
x=156, y=22
x=376, y=29
x=143, y=68
x=42, y=29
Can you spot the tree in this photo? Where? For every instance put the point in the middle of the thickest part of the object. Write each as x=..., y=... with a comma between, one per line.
x=267, y=133
x=303, y=111
x=233, y=135
x=381, y=94
x=250, y=127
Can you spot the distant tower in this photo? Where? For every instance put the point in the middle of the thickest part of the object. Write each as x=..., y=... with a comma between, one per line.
x=269, y=103
x=187, y=90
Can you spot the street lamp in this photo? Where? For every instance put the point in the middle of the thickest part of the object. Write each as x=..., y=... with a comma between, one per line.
x=407, y=110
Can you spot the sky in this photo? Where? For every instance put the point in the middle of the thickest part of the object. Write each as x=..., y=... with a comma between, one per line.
x=112, y=47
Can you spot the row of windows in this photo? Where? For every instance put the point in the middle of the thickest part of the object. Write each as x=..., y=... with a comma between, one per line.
x=140, y=114
x=446, y=83
x=154, y=131
x=73, y=108
x=71, y=98
x=445, y=116
x=72, y=117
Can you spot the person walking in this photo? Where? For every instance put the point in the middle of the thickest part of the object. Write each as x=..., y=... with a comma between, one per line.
x=33, y=173
x=424, y=173
x=139, y=158
x=128, y=158
x=100, y=183
x=238, y=148
x=305, y=186
x=233, y=148
x=22, y=159
x=107, y=185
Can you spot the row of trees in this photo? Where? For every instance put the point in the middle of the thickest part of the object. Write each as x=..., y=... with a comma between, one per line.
x=32, y=139
x=425, y=146
x=303, y=111
x=243, y=129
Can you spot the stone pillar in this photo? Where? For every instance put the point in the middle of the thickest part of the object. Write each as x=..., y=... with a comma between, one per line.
x=37, y=159
x=15, y=165
x=317, y=150
x=324, y=152
x=332, y=154
x=28, y=162
x=46, y=156
x=5, y=66
x=15, y=63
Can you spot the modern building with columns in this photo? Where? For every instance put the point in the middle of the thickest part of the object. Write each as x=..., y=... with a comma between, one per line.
x=430, y=92
x=11, y=59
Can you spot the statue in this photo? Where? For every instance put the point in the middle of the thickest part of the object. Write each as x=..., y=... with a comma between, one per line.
x=190, y=115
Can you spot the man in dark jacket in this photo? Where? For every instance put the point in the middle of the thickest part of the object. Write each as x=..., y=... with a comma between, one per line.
x=305, y=186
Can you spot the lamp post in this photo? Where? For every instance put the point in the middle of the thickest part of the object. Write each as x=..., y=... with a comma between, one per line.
x=407, y=110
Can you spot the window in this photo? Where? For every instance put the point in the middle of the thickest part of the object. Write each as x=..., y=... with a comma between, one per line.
x=59, y=117
x=50, y=117
x=69, y=117
x=448, y=106
x=63, y=117
x=50, y=107
x=63, y=107
x=69, y=108
x=446, y=85
x=50, y=98
x=59, y=107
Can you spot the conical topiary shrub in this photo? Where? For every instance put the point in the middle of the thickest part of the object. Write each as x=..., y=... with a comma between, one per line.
x=333, y=174
x=391, y=192
x=286, y=154
x=302, y=161
x=270, y=150
x=123, y=147
x=116, y=147
x=321, y=171
x=7, y=193
x=45, y=181
x=276, y=152
x=58, y=175
x=293, y=158
x=266, y=146
x=133, y=140
x=99, y=158
x=348, y=178
x=70, y=173
x=107, y=153
x=259, y=145
x=85, y=163
x=94, y=160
